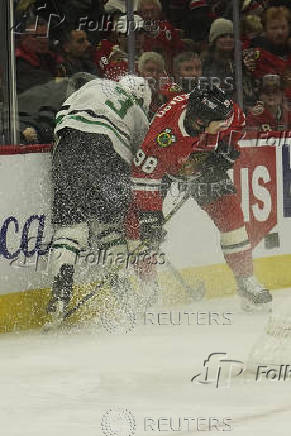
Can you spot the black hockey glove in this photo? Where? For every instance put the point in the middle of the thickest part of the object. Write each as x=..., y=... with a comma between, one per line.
x=226, y=155
x=151, y=228
x=219, y=162
x=212, y=180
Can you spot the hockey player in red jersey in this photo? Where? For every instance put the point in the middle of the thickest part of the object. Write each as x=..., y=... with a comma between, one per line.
x=194, y=138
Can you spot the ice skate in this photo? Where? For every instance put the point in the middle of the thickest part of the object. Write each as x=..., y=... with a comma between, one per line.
x=61, y=291
x=254, y=296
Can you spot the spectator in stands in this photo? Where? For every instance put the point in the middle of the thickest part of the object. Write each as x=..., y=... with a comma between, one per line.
x=198, y=20
x=251, y=27
x=77, y=53
x=271, y=112
x=64, y=15
x=220, y=9
x=161, y=36
x=122, y=33
x=111, y=55
x=253, y=7
x=176, y=12
x=152, y=66
x=39, y=105
x=218, y=66
x=118, y=6
x=269, y=54
x=35, y=63
x=187, y=70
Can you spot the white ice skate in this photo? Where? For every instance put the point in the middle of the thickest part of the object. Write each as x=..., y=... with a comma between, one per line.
x=254, y=296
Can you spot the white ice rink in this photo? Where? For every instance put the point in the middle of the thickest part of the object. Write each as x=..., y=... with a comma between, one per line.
x=63, y=383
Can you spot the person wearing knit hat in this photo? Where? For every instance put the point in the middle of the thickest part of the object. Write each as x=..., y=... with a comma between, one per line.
x=220, y=27
x=218, y=65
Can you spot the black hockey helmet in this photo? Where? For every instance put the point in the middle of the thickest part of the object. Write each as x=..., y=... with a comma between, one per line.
x=208, y=104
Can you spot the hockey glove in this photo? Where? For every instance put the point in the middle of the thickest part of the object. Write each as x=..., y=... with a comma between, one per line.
x=151, y=228
x=226, y=155
x=212, y=180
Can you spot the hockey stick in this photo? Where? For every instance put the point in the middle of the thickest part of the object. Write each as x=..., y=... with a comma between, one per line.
x=197, y=293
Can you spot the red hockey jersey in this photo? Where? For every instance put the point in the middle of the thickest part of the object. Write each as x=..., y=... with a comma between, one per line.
x=167, y=147
x=266, y=121
x=269, y=63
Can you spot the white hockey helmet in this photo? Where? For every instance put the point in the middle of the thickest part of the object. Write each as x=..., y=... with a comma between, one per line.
x=139, y=88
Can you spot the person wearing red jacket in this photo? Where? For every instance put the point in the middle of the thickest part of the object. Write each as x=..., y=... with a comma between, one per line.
x=36, y=64
x=270, y=54
x=194, y=138
x=160, y=36
x=271, y=112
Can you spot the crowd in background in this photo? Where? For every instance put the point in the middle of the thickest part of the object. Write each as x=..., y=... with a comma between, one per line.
x=62, y=45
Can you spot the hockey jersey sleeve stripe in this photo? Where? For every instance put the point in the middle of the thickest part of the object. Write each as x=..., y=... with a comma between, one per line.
x=95, y=116
x=150, y=185
x=97, y=123
x=140, y=180
x=147, y=188
x=101, y=117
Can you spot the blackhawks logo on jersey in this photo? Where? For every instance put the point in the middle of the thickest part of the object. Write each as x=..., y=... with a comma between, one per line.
x=166, y=138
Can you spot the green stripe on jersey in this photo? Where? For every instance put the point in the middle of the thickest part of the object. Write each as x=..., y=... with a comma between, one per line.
x=96, y=123
x=60, y=119
x=67, y=247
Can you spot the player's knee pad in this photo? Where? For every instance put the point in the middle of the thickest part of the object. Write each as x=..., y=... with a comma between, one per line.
x=235, y=241
x=67, y=243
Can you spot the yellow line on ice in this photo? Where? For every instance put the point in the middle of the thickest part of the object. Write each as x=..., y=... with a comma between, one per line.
x=26, y=310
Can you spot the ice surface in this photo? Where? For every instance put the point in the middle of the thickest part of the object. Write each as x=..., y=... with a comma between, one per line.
x=67, y=383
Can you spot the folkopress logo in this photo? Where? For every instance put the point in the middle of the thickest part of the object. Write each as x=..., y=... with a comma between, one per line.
x=219, y=370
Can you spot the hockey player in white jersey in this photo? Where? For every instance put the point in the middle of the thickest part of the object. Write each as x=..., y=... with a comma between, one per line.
x=99, y=129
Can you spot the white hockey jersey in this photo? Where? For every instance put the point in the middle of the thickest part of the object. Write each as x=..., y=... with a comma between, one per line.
x=104, y=107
